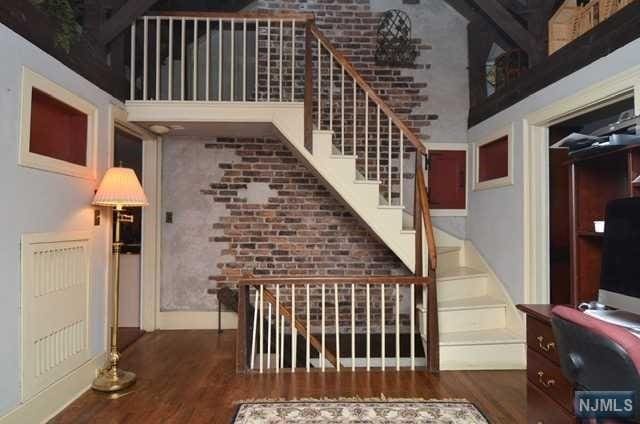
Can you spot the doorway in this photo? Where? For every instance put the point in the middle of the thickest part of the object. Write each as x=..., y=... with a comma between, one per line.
x=128, y=153
x=560, y=194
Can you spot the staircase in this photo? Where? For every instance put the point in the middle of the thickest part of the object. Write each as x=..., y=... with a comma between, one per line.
x=292, y=78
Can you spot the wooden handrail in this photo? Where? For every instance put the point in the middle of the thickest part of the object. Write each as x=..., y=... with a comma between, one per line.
x=302, y=329
x=423, y=197
x=351, y=70
x=402, y=280
x=261, y=15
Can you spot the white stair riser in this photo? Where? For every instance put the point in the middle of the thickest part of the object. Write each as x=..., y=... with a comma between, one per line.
x=483, y=357
x=449, y=260
x=462, y=288
x=472, y=319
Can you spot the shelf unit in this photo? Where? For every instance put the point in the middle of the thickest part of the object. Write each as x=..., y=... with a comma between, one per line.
x=594, y=181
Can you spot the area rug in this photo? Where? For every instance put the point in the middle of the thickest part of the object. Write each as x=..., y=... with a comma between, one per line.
x=340, y=411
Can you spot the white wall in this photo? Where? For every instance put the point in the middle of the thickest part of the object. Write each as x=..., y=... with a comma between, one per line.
x=495, y=222
x=39, y=201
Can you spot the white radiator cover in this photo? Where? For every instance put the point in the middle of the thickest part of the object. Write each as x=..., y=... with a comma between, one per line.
x=55, y=307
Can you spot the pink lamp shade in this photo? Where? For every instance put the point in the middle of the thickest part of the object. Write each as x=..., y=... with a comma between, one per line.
x=119, y=188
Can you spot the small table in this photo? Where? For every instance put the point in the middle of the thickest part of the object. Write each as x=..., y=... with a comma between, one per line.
x=549, y=394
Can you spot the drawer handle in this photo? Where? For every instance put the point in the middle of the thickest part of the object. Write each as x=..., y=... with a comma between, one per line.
x=545, y=347
x=550, y=382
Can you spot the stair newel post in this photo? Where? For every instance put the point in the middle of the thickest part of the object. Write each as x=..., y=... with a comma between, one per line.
x=243, y=333
x=308, y=86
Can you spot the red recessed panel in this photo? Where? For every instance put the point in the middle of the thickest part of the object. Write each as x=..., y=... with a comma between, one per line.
x=493, y=160
x=57, y=130
x=447, y=179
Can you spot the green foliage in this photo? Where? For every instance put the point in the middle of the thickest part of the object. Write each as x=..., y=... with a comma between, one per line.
x=63, y=13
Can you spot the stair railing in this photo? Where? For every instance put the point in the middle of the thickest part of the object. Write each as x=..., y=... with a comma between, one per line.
x=327, y=312
x=218, y=57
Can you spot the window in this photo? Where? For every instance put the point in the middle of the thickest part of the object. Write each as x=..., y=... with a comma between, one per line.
x=57, y=129
x=493, y=162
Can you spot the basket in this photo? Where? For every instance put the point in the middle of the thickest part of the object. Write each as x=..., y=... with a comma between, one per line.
x=561, y=25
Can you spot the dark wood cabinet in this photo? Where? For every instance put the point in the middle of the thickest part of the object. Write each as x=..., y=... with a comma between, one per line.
x=448, y=179
x=549, y=394
x=595, y=181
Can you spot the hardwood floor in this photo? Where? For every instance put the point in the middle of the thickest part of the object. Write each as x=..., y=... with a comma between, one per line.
x=189, y=377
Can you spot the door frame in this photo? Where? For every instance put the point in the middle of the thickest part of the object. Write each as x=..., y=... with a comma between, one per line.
x=536, y=170
x=150, y=242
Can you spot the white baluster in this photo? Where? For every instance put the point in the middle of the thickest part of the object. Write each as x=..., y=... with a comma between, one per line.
x=282, y=342
x=293, y=60
x=277, y=328
x=257, y=61
x=412, y=319
x=366, y=136
x=195, y=59
x=378, y=144
x=389, y=164
x=232, y=73
x=368, y=308
x=308, y=350
x=322, y=329
x=269, y=337
x=261, y=346
x=145, y=58
x=182, y=57
x=221, y=31
x=330, y=91
x=353, y=327
x=294, y=330
x=319, y=84
x=337, y=309
x=158, y=25
x=268, y=60
x=355, y=116
x=342, y=110
x=398, y=327
x=280, y=61
x=255, y=323
x=132, y=85
x=383, y=346
x=207, y=72
x=170, y=79
x=401, y=166
x=244, y=60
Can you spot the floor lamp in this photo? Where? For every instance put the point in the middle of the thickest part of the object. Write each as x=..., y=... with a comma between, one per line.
x=119, y=188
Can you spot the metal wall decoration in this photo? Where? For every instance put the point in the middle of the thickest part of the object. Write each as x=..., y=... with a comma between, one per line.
x=395, y=47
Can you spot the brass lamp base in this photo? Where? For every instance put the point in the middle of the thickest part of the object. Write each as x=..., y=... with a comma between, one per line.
x=110, y=381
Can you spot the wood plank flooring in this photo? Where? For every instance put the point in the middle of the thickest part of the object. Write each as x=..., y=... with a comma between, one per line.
x=189, y=377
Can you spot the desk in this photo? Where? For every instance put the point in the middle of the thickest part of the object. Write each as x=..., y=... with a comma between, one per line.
x=549, y=394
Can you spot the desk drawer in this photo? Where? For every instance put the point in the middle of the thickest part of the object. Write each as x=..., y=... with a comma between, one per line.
x=548, y=377
x=542, y=410
x=540, y=338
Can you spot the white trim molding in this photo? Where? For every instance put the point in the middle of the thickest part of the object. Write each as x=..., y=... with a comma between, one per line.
x=31, y=80
x=497, y=182
x=48, y=403
x=196, y=320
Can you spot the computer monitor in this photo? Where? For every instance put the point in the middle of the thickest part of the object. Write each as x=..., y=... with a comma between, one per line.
x=620, y=273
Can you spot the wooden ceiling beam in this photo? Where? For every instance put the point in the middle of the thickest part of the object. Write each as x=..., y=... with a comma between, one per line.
x=504, y=20
x=123, y=18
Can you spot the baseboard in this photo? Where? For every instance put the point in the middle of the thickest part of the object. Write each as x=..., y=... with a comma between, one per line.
x=195, y=320
x=48, y=403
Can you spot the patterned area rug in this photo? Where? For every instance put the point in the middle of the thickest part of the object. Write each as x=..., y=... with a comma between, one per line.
x=338, y=411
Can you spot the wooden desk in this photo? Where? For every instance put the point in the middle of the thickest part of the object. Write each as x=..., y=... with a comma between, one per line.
x=549, y=394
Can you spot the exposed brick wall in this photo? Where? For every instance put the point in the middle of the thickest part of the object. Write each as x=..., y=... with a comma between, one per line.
x=351, y=26
x=301, y=230
x=267, y=215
